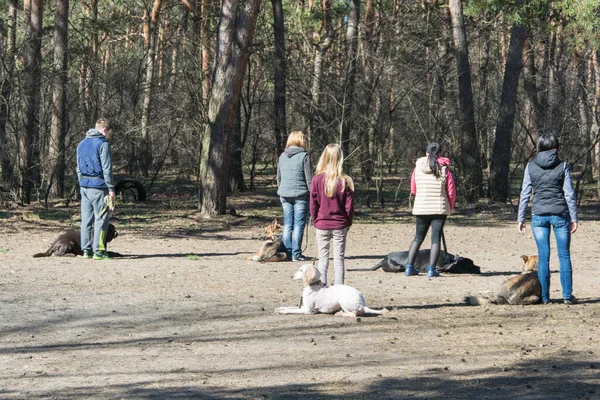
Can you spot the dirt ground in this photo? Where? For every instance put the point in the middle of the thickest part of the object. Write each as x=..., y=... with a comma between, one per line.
x=184, y=315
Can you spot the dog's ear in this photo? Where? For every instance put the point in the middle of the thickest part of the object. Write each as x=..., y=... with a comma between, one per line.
x=274, y=223
x=525, y=258
x=311, y=274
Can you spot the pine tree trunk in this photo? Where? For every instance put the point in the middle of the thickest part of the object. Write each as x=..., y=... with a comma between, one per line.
x=279, y=75
x=470, y=161
x=234, y=37
x=58, y=127
x=500, y=164
x=28, y=143
x=146, y=153
x=321, y=46
x=6, y=92
x=351, y=61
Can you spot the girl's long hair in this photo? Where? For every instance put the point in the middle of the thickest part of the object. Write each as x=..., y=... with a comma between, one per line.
x=434, y=165
x=331, y=163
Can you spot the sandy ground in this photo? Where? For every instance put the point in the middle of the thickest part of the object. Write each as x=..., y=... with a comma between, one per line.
x=184, y=315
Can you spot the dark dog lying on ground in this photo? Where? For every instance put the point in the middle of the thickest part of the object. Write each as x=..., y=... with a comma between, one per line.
x=449, y=263
x=521, y=289
x=69, y=243
x=272, y=249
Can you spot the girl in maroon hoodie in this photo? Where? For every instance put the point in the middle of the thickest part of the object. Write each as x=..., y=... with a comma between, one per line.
x=332, y=210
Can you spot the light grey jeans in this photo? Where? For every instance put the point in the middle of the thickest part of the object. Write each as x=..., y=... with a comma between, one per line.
x=92, y=202
x=324, y=239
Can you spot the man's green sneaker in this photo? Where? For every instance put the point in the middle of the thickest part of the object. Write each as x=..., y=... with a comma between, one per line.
x=101, y=255
x=87, y=254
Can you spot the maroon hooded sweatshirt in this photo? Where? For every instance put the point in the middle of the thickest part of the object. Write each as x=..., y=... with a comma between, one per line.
x=335, y=212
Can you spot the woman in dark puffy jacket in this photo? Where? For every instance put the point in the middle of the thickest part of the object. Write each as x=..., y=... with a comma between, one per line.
x=554, y=206
x=293, y=181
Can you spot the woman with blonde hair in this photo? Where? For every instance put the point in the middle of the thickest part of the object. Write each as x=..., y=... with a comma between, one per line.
x=332, y=210
x=293, y=181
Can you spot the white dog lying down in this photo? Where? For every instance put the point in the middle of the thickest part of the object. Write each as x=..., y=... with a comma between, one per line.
x=316, y=298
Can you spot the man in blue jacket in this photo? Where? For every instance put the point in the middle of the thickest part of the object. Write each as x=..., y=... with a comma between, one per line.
x=94, y=171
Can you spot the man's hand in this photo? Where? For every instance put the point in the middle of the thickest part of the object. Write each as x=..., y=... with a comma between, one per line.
x=112, y=195
x=522, y=228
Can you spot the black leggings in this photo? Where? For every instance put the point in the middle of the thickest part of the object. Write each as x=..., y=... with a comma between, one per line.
x=437, y=227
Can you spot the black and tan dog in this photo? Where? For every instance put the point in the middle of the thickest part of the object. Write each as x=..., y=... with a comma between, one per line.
x=522, y=289
x=272, y=250
x=446, y=262
x=69, y=243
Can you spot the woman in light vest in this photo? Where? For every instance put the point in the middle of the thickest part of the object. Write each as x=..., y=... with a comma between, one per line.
x=433, y=186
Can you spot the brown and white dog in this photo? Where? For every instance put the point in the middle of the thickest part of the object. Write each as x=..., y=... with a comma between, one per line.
x=522, y=289
x=272, y=250
x=69, y=243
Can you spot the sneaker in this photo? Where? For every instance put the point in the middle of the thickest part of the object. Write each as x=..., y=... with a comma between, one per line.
x=571, y=300
x=432, y=272
x=87, y=254
x=410, y=270
x=101, y=255
x=301, y=258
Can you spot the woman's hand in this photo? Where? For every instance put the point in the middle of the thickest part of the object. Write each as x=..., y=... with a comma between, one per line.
x=574, y=226
x=522, y=228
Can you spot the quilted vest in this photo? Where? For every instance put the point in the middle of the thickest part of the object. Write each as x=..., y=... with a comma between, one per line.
x=431, y=198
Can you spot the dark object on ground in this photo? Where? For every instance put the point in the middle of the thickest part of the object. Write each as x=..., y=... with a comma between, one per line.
x=448, y=263
x=130, y=189
x=69, y=243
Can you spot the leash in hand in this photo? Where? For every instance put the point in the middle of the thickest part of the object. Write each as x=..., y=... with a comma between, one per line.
x=109, y=204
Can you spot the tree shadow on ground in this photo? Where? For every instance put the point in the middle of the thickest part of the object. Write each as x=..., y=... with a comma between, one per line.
x=531, y=379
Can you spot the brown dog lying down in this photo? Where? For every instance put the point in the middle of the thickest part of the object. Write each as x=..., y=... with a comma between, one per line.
x=69, y=243
x=272, y=250
x=449, y=263
x=521, y=289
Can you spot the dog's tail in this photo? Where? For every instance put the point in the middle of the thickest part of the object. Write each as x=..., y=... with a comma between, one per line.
x=368, y=310
x=483, y=300
x=374, y=268
x=47, y=253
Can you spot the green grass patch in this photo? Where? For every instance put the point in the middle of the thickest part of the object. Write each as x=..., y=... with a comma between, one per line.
x=192, y=257
x=3, y=251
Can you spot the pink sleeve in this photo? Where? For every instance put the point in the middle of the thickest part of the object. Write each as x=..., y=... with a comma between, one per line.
x=413, y=183
x=450, y=188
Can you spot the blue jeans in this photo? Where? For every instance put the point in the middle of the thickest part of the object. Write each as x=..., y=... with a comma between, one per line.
x=294, y=220
x=540, y=225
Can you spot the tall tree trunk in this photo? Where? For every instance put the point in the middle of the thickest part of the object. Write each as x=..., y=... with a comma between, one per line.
x=595, y=120
x=368, y=137
x=58, y=127
x=205, y=49
x=530, y=84
x=500, y=164
x=28, y=145
x=321, y=46
x=145, y=158
x=351, y=62
x=234, y=37
x=279, y=75
x=470, y=160
x=92, y=106
x=237, y=174
x=6, y=92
